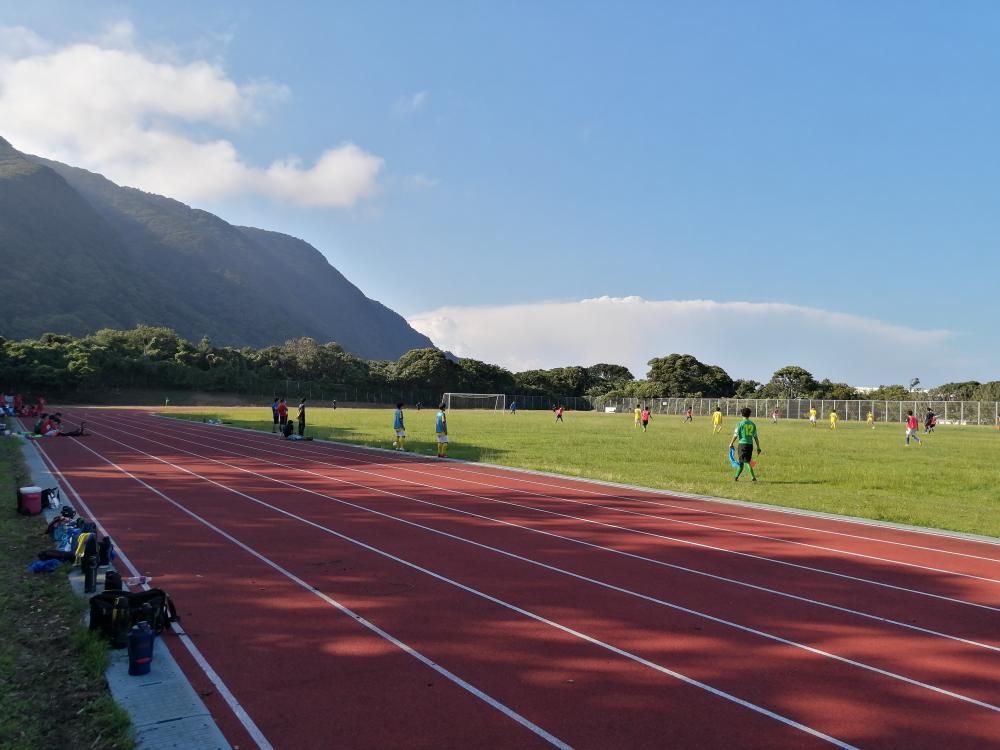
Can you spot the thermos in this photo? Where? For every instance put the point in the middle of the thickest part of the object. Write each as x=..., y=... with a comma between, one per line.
x=140, y=648
x=104, y=551
x=89, y=565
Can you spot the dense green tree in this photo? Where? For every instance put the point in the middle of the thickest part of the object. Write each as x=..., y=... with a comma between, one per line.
x=425, y=368
x=745, y=388
x=684, y=375
x=890, y=393
x=842, y=391
x=954, y=391
x=986, y=392
x=790, y=382
x=604, y=377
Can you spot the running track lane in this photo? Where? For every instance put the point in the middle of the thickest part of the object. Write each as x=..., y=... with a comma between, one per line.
x=531, y=684
x=877, y=723
x=939, y=663
x=968, y=670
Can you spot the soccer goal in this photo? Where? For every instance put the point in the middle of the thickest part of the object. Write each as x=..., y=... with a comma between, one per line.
x=494, y=401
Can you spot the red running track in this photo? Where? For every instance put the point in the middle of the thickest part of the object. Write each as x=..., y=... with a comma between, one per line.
x=347, y=597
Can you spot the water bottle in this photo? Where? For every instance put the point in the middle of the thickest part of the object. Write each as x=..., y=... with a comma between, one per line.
x=136, y=580
x=140, y=648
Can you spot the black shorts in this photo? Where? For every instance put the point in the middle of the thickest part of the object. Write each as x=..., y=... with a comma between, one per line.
x=282, y=420
x=275, y=418
x=745, y=452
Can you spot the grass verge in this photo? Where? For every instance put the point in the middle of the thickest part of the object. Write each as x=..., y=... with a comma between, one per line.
x=52, y=685
x=951, y=481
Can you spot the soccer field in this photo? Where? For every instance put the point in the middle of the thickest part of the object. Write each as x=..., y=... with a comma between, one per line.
x=950, y=481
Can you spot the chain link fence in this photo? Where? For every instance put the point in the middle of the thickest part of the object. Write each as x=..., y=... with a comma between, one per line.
x=948, y=412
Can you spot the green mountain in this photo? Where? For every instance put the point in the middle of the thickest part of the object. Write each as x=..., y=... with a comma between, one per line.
x=79, y=252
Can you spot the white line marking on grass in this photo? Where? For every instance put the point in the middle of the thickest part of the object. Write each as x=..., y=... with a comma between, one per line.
x=468, y=589
x=603, y=584
x=749, y=555
x=510, y=713
x=654, y=561
x=227, y=695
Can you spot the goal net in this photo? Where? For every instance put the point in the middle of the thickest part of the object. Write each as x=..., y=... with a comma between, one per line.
x=494, y=401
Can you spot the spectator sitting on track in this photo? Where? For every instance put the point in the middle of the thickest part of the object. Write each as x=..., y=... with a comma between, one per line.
x=288, y=432
x=45, y=426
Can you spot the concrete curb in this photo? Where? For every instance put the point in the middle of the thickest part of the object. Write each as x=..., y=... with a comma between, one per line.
x=165, y=710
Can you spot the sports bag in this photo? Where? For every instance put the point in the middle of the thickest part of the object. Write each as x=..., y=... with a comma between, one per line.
x=112, y=613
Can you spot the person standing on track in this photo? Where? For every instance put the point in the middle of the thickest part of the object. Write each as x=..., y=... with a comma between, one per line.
x=441, y=428
x=282, y=414
x=746, y=436
x=301, y=418
x=398, y=425
x=274, y=414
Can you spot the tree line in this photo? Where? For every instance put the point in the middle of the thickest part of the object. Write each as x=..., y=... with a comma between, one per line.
x=150, y=357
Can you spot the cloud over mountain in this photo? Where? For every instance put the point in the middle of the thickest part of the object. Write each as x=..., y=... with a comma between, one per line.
x=156, y=122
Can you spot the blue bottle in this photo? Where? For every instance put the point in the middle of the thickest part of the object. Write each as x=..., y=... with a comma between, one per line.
x=140, y=648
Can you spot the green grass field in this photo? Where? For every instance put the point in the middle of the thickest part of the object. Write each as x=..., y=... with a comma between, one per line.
x=951, y=481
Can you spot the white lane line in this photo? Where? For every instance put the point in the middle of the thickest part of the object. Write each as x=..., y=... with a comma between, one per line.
x=227, y=695
x=468, y=589
x=507, y=711
x=644, y=501
x=623, y=553
x=703, y=545
x=603, y=584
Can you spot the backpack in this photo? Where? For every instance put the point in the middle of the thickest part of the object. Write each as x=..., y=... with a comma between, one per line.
x=112, y=613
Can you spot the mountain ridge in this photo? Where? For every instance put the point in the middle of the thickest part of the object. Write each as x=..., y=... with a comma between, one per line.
x=139, y=257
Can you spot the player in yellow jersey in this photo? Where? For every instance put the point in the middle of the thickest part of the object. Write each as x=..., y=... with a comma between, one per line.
x=833, y=419
x=871, y=419
x=717, y=421
x=812, y=416
x=638, y=416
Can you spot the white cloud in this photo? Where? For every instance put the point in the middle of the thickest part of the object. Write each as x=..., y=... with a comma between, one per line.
x=107, y=106
x=410, y=104
x=748, y=339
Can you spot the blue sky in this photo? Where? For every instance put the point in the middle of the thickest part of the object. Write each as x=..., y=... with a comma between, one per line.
x=836, y=158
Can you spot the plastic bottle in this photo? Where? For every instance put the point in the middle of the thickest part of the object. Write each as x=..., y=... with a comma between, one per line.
x=136, y=580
